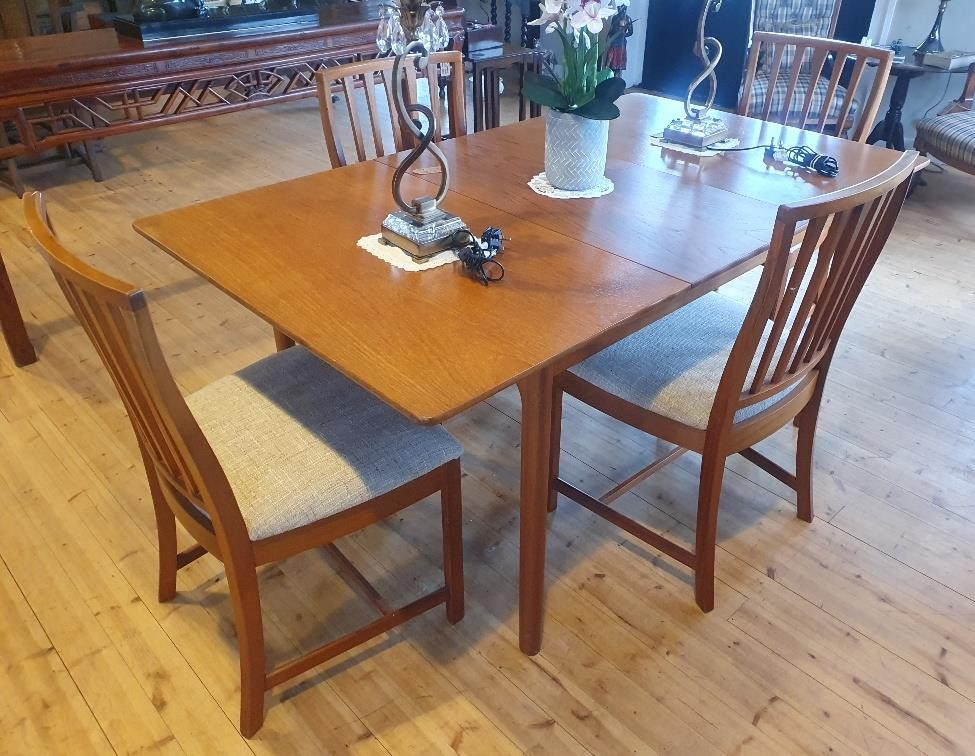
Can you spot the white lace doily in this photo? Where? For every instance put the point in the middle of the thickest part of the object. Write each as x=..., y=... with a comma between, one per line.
x=399, y=259
x=540, y=185
x=724, y=144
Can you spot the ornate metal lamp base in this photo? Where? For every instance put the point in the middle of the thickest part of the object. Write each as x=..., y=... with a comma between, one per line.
x=421, y=237
x=695, y=132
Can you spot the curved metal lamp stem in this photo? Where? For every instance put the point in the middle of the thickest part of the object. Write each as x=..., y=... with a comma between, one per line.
x=703, y=48
x=424, y=137
x=420, y=228
x=698, y=130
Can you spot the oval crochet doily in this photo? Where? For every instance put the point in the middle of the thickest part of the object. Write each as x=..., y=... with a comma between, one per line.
x=715, y=149
x=541, y=185
x=399, y=259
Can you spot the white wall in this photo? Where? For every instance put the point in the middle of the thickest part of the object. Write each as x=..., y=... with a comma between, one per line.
x=911, y=21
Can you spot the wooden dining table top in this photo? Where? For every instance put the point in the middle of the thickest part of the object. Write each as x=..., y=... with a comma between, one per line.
x=580, y=273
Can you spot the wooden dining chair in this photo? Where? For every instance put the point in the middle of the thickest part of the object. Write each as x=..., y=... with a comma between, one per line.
x=716, y=377
x=797, y=80
x=283, y=456
x=377, y=131
x=12, y=323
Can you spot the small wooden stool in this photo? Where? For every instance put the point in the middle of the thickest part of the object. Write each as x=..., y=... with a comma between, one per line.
x=486, y=67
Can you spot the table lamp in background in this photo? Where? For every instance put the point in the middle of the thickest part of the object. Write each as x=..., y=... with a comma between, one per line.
x=697, y=128
x=933, y=43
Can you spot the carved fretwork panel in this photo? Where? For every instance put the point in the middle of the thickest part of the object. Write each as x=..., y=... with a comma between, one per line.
x=107, y=112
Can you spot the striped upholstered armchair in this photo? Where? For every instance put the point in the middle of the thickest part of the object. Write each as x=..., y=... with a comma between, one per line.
x=807, y=18
x=950, y=136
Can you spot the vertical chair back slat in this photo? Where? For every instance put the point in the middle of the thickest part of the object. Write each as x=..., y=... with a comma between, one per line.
x=347, y=81
x=778, y=54
x=790, y=327
x=806, y=250
x=372, y=108
x=783, y=61
x=823, y=118
x=852, y=84
x=348, y=88
x=115, y=317
x=816, y=66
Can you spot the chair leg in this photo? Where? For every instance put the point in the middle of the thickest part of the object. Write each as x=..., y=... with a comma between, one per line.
x=282, y=341
x=165, y=531
x=246, y=600
x=453, y=543
x=806, y=424
x=712, y=473
x=555, y=450
x=12, y=324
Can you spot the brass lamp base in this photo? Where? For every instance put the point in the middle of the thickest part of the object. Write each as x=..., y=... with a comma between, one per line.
x=424, y=233
x=696, y=132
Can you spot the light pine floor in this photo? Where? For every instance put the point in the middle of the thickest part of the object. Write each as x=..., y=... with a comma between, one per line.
x=852, y=635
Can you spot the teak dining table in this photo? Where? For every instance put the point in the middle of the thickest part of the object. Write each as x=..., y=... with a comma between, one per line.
x=580, y=273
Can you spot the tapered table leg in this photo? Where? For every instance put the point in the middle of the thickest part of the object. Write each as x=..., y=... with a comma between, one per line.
x=536, y=432
x=12, y=324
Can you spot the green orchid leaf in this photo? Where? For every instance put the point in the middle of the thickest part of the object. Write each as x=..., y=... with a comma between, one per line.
x=545, y=91
x=598, y=110
x=609, y=90
x=584, y=98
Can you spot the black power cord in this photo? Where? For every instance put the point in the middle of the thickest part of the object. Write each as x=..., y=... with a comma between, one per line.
x=803, y=157
x=478, y=256
x=808, y=158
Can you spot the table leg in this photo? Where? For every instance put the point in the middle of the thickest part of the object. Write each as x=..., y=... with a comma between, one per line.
x=891, y=129
x=12, y=324
x=282, y=341
x=536, y=439
x=479, y=84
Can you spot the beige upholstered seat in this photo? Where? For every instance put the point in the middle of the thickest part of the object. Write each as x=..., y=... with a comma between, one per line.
x=300, y=442
x=673, y=366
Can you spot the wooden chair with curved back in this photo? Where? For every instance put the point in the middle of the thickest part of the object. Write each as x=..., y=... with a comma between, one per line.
x=385, y=133
x=281, y=457
x=785, y=83
x=716, y=377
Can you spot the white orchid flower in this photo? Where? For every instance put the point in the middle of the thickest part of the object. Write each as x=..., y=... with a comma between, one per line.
x=591, y=14
x=553, y=12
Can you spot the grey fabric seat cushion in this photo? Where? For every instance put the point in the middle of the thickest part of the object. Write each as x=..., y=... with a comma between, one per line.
x=299, y=442
x=951, y=136
x=673, y=367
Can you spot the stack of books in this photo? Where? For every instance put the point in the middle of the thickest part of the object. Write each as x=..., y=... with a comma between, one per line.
x=949, y=60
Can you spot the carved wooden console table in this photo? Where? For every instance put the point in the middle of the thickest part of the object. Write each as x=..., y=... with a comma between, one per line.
x=68, y=89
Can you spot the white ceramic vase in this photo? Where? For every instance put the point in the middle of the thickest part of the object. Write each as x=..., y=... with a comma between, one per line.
x=575, y=151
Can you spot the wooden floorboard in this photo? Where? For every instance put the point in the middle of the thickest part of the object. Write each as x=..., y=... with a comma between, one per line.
x=853, y=634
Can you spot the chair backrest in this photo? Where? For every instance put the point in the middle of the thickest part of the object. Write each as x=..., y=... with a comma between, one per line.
x=378, y=130
x=116, y=318
x=807, y=290
x=810, y=18
x=790, y=89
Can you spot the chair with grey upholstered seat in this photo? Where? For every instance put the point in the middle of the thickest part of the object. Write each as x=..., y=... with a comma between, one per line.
x=716, y=377
x=283, y=456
